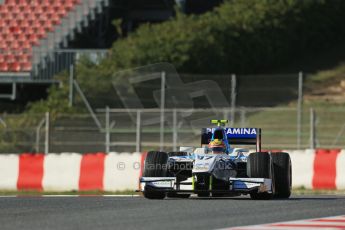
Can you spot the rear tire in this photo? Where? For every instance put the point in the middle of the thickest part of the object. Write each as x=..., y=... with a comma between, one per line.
x=259, y=166
x=282, y=174
x=155, y=166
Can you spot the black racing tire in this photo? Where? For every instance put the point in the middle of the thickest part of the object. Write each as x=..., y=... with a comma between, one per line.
x=282, y=174
x=177, y=195
x=177, y=154
x=155, y=166
x=259, y=165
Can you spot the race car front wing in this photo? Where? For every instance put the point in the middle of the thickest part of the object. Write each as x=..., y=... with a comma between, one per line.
x=237, y=185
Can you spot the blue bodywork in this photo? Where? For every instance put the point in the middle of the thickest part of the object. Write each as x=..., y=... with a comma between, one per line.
x=229, y=136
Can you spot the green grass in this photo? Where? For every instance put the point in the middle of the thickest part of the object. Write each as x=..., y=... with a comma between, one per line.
x=327, y=75
x=279, y=127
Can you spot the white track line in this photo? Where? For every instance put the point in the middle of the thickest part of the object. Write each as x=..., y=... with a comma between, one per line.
x=330, y=223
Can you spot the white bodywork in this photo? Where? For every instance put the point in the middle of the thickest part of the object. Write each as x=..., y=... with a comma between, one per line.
x=204, y=163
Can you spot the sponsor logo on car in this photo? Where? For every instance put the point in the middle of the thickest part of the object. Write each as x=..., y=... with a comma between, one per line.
x=202, y=166
x=234, y=131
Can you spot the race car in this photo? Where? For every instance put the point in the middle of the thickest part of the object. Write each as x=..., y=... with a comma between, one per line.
x=216, y=169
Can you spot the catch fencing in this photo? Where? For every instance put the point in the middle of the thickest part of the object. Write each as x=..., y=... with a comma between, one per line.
x=155, y=129
x=155, y=107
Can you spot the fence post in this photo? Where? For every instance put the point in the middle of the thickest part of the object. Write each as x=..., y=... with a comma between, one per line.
x=71, y=79
x=47, y=130
x=312, y=128
x=87, y=104
x=138, y=134
x=233, y=99
x=174, y=130
x=14, y=91
x=299, y=109
x=162, y=105
x=107, y=130
x=3, y=123
x=38, y=130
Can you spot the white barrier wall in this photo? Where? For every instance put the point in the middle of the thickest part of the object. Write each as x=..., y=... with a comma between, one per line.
x=61, y=172
x=340, y=167
x=9, y=165
x=302, y=168
x=122, y=171
x=315, y=169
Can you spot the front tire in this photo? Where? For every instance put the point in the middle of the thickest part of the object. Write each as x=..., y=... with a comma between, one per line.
x=282, y=174
x=259, y=166
x=155, y=166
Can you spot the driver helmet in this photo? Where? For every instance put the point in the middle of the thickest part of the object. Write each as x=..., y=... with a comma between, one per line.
x=217, y=146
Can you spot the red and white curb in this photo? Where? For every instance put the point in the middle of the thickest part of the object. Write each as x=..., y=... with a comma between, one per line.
x=313, y=169
x=77, y=195
x=331, y=223
x=70, y=171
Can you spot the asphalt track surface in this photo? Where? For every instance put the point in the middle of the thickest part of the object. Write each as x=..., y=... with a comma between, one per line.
x=89, y=212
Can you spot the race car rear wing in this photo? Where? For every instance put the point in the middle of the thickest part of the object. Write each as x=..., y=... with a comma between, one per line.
x=236, y=136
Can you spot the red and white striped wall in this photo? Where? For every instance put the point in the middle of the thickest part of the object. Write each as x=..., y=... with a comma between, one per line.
x=318, y=169
x=70, y=171
x=315, y=169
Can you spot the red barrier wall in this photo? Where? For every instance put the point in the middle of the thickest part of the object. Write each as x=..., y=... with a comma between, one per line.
x=30, y=172
x=325, y=169
x=91, y=172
